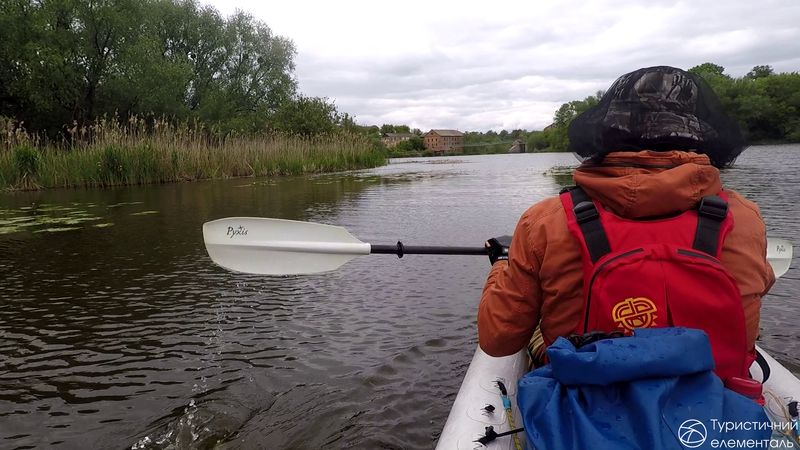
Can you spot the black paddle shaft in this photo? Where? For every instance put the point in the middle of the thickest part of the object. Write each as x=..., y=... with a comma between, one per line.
x=399, y=249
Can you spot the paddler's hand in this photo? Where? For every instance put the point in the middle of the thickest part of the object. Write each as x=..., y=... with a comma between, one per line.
x=497, y=248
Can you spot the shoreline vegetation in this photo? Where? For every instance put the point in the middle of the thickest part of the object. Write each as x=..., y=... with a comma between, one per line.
x=119, y=92
x=109, y=153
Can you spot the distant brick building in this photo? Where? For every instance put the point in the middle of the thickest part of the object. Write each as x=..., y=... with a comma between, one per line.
x=440, y=141
x=392, y=139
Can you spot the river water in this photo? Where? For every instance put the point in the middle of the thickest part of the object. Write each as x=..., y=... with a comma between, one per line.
x=117, y=331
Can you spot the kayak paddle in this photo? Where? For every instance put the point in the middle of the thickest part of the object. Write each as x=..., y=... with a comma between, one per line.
x=779, y=255
x=288, y=247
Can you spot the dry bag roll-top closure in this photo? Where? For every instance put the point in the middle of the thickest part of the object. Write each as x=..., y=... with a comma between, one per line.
x=660, y=273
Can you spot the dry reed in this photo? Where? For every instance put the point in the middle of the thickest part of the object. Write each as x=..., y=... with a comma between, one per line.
x=109, y=153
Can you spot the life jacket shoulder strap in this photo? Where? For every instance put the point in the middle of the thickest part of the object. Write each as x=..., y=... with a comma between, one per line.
x=711, y=213
x=588, y=218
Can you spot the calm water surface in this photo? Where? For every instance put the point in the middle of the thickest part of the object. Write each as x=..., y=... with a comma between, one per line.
x=117, y=331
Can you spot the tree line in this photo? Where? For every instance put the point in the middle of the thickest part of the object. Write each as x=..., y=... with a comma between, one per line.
x=766, y=104
x=66, y=63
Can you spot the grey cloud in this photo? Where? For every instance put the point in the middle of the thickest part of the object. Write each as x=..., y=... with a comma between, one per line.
x=489, y=75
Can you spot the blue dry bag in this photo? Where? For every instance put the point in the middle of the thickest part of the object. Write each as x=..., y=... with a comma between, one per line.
x=652, y=390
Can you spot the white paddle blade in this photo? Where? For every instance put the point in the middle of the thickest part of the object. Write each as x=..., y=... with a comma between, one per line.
x=279, y=247
x=779, y=255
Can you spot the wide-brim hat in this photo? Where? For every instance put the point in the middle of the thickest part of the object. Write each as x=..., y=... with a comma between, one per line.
x=657, y=108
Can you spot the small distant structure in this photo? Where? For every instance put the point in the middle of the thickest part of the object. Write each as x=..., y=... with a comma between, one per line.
x=518, y=147
x=440, y=141
x=392, y=139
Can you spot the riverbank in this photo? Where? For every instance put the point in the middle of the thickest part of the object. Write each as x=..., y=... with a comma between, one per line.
x=471, y=152
x=108, y=154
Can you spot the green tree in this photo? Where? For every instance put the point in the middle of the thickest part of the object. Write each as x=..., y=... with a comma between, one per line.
x=707, y=68
x=537, y=140
x=766, y=105
x=71, y=49
x=65, y=61
x=785, y=87
x=389, y=128
x=306, y=116
x=715, y=76
x=759, y=72
x=16, y=30
x=556, y=135
x=410, y=145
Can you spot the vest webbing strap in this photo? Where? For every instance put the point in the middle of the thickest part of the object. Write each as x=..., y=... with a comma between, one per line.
x=710, y=214
x=589, y=221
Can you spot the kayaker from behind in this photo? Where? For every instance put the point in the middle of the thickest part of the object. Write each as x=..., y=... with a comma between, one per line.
x=650, y=185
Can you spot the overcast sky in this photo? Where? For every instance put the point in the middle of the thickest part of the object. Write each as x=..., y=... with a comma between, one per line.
x=483, y=65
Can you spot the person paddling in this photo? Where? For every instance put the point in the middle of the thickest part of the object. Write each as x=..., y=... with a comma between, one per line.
x=650, y=184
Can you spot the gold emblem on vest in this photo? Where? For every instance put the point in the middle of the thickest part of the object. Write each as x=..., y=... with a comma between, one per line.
x=635, y=312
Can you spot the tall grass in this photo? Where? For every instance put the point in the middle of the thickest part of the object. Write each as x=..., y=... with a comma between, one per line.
x=110, y=153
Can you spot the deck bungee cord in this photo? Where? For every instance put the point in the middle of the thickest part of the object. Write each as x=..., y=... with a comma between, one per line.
x=509, y=414
x=490, y=435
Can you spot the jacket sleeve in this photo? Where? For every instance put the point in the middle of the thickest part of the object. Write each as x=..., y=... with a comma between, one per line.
x=510, y=306
x=744, y=253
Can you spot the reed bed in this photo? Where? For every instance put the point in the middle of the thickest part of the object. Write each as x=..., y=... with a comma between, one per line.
x=110, y=153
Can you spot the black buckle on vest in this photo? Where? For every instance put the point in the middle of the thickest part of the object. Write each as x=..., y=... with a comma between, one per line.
x=713, y=207
x=585, y=212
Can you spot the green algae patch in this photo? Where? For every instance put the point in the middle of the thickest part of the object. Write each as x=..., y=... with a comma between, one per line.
x=48, y=218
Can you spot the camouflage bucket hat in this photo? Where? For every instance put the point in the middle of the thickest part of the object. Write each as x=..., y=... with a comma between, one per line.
x=657, y=108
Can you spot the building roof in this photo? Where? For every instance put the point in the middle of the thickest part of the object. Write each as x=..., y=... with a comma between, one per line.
x=399, y=135
x=446, y=132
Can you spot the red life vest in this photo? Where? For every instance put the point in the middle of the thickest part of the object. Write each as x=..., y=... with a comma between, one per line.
x=660, y=273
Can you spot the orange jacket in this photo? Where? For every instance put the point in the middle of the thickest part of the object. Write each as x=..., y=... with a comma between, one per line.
x=542, y=283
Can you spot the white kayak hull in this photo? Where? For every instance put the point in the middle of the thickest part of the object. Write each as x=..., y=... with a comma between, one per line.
x=468, y=418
